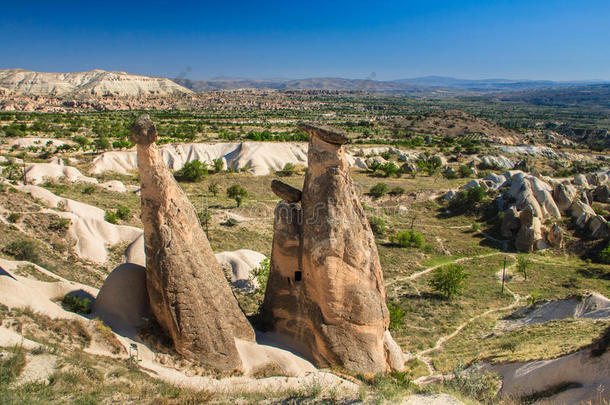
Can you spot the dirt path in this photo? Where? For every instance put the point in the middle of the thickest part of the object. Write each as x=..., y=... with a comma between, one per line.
x=429, y=269
x=421, y=355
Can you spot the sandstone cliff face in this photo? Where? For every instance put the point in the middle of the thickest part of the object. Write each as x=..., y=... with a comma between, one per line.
x=188, y=293
x=92, y=83
x=326, y=288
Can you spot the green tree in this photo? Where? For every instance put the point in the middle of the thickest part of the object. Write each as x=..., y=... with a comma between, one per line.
x=523, y=264
x=218, y=164
x=396, y=191
x=430, y=165
x=374, y=166
x=378, y=190
x=123, y=212
x=288, y=170
x=102, y=143
x=389, y=169
x=449, y=280
x=214, y=188
x=397, y=316
x=604, y=255
x=408, y=238
x=465, y=171
x=378, y=225
x=193, y=171
x=237, y=192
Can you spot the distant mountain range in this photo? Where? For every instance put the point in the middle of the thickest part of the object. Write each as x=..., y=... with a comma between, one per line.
x=423, y=85
x=99, y=83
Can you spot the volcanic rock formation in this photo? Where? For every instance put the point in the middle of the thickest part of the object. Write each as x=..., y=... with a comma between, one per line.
x=325, y=290
x=188, y=293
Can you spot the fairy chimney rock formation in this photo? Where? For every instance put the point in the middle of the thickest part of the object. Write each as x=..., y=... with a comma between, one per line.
x=188, y=292
x=325, y=289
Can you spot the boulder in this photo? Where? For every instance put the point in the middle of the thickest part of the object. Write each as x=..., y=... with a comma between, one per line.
x=188, y=293
x=122, y=302
x=582, y=213
x=593, y=179
x=530, y=231
x=564, y=195
x=285, y=191
x=581, y=180
x=510, y=222
x=555, y=236
x=326, y=291
x=472, y=184
x=601, y=194
x=598, y=226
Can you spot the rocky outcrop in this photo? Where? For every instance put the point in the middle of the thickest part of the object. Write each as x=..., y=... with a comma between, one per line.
x=564, y=195
x=188, y=292
x=510, y=223
x=325, y=291
x=601, y=194
x=122, y=302
x=555, y=236
x=285, y=191
x=530, y=234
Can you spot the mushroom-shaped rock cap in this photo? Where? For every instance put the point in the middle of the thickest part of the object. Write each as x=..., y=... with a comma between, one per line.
x=325, y=132
x=285, y=191
x=143, y=131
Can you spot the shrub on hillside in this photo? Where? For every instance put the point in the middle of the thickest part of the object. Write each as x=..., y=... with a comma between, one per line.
x=288, y=170
x=378, y=225
x=397, y=316
x=465, y=171
x=193, y=171
x=396, y=191
x=218, y=164
x=378, y=190
x=390, y=169
x=123, y=212
x=430, y=166
x=449, y=280
x=467, y=201
x=374, y=166
x=214, y=188
x=604, y=255
x=23, y=250
x=408, y=238
x=237, y=192
x=74, y=304
x=111, y=216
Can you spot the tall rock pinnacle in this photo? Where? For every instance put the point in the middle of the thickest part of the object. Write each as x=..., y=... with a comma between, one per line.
x=326, y=289
x=188, y=292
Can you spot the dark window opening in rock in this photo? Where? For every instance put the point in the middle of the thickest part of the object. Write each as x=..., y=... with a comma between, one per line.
x=288, y=279
x=298, y=276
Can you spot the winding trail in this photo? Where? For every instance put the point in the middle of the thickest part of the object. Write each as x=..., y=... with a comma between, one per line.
x=421, y=355
x=429, y=269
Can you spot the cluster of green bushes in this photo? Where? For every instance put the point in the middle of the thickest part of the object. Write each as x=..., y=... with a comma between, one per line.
x=430, y=166
x=75, y=304
x=467, y=201
x=121, y=213
x=23, y=250
x=237, y=193
x=193, y=171
x=378, y=225
x=381, y=189
x=448, y=280
x=266, y=135
x=408, y=238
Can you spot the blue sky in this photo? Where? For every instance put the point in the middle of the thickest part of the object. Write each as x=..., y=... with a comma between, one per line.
x=535, y=39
